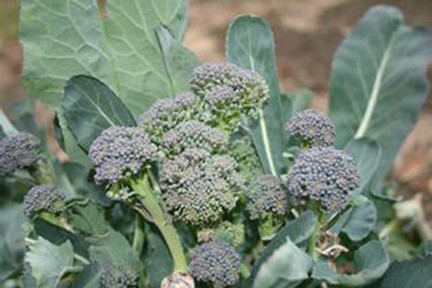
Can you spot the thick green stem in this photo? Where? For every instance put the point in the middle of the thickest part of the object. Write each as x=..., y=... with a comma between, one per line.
x=168, y=231
x=138, y=240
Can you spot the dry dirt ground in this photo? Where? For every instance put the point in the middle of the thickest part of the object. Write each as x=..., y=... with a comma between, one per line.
x=307, y=33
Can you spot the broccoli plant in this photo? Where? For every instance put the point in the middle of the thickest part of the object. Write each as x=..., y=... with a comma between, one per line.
x=189, y=174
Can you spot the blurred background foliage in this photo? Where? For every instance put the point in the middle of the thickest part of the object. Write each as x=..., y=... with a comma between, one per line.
x=307, y=33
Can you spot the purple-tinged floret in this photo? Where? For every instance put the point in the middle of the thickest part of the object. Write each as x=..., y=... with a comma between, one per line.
x=267, y=198
x=313, y=128
x=193, y=134
x=18, y=151
x=198, y=187
x=165, y=114
x=229, y=93
x=215, y=262
x=43, y=198
x=326, y=175
x=120, y=152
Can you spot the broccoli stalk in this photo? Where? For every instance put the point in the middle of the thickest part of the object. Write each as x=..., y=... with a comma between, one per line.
x=151, y=205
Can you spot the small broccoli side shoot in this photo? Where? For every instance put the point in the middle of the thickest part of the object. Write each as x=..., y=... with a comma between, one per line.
x=193, y=134
x=231, y=233
x=198, y=187
x=165, y=114
x=326, y=175
x=215, y=262
x=18, y=151
x=43, y=198
x=312, y=128
x=229, y=93
x=119, y=153
x=118, y=276
x=268, y=204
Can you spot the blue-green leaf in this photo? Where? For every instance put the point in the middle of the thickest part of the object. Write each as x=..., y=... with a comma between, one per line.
x=90, y=107
x=121, y=49
x=250, y=45
x=379, y=83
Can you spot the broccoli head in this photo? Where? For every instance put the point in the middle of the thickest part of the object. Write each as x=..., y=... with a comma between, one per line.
x=118, y=276
x=228, y=93
x=313, y=128
x=120, y=152
x=326, y=175
x=43, y=198
x=215, y=262
x=165, y=114
x=18, y=151
x=198, y=187
x=267, y=197
x=193, y=134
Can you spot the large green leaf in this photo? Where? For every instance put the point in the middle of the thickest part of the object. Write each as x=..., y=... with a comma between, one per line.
x=250, y=45
x=408, y=274
x=286, y=267
x=11, y=242
x=295, y=233
x=357, y=222
x=370, y=262
x=367, y=154
x=90, y=107
x=66, y=38
x=49, y=263
x=378, y=82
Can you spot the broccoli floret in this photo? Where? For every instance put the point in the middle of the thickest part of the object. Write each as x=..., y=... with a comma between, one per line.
x=193, y=134
x=267, y=197
x=165, y=114
x=215, y=262
x=326, y=175
x=229, y=93
x=18, y=151
x=312, y=128
x=43, y=198
x=267, y=204
x=120, y=152
x=118, y=276
x=231, y=233
x=243, y=151
x=198, y=187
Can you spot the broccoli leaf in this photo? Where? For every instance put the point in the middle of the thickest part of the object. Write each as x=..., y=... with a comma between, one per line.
x=250, y=45
x=378, y=82
x=412, y=273
x=357, y=222
x=90, y=107
x=295, y=233
x=370, y=262
x=367, y=154
x=49, y=263
x=120, y=48
x=11, y=243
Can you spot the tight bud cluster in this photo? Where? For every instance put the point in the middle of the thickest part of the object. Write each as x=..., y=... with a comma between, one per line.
x=198, y=187
x=118, y=276
x=313, y=128
x=193, y=134
x=215, y=262
x=326, y=175
x=18, y=151
x=43, y=198
x=165, y=114
x=228, y=92
x=120, y=152
x=267, y=198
